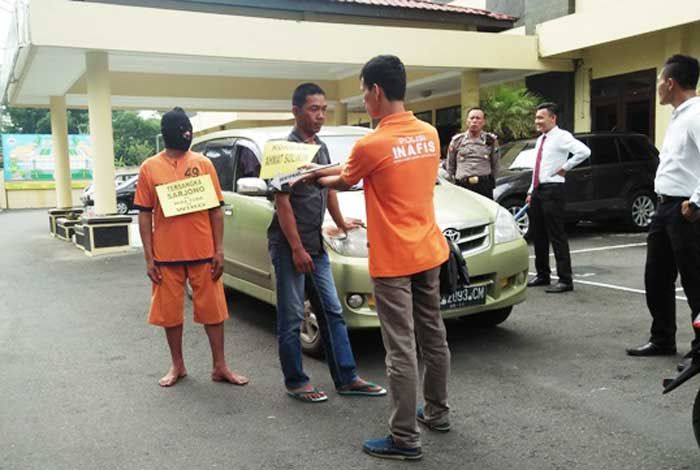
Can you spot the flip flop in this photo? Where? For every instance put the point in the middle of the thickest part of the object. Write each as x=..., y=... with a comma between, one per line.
x=305, y=396
x=367, y=389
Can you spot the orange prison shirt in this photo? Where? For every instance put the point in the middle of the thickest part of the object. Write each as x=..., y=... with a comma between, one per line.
x=398, y=163
x=181, y=238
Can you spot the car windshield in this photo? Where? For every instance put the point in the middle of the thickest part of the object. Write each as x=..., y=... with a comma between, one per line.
x=518, y=155
x=340, y=148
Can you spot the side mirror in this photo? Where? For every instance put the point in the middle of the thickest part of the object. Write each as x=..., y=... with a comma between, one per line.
x=251, y=187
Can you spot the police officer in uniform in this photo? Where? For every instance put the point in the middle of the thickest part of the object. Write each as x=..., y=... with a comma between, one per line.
x=473, y=157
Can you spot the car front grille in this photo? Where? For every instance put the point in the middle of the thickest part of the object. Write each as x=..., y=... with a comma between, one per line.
x=473, y=239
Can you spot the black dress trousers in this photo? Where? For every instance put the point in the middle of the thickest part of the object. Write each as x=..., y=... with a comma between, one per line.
x=547, y=208
x=673, y=247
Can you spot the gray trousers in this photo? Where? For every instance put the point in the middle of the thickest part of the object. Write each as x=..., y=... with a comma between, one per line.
x=409, y=311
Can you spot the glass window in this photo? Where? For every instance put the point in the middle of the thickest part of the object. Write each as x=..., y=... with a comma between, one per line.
x=247, y=165
x=426, y=116
x=603, y=150
x=340, y=146
x=199, y=148
x=634, y=148
x=448, y=122
x=220, y=153
x=448, y=116
x=514, y=154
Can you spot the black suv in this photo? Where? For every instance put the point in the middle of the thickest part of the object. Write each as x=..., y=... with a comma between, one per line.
x=615, y=184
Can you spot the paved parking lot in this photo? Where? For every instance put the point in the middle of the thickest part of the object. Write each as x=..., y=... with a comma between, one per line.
x=549, y=389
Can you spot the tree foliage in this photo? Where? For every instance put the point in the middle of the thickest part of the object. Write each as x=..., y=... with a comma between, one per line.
x=38, y=121
x=510, y=111
x=134, y=137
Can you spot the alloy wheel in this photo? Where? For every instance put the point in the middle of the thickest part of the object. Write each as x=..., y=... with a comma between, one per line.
x=122, y=208
x=642, y=210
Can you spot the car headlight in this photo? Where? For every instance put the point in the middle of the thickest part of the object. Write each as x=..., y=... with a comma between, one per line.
x=505, y=228
x=353, y=243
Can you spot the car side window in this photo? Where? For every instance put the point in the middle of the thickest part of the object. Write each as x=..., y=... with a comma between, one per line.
x=220, y=152
x=199, y=148
x=634, y=149
x=603, y=150
x=247, y=164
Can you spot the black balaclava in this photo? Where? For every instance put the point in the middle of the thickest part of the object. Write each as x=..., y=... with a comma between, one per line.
x=176, y=129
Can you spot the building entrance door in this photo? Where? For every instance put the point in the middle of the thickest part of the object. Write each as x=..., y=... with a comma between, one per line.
x=624, y=103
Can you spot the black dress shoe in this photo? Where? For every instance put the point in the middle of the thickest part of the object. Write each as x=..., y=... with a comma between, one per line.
x=684, y=363
x=651, y=349
x=538, y=281
x=560, y=287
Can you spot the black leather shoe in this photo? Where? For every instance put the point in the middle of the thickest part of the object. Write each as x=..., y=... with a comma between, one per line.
x=560, y=287
x=651, y=349
x=684, y=363
x=538, y=281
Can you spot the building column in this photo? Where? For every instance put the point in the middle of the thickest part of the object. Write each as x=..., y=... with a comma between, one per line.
x=100, y=113
x=582, y=97
x=469, y=90
x=340, y=113
x=59, y=138
x=677, y=42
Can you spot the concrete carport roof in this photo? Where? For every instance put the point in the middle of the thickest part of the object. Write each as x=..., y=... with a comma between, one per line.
x=160, y=57
x=130, y=54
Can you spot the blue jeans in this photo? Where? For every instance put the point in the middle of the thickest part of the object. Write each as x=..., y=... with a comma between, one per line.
x=329, y=313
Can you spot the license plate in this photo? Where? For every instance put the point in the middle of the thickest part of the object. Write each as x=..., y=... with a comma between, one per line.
x=470, y=295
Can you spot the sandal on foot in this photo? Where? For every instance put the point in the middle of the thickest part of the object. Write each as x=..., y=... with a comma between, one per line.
x=367, y=389
x=305, y=395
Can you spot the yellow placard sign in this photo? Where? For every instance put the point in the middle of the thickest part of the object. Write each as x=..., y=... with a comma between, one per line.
x=188, y=195
x=280, y=157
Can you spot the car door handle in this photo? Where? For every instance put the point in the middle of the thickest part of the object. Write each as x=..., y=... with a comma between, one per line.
x=228, y=210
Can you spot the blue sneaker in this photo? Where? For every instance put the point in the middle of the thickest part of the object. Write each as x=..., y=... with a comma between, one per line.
x=420, y=416
x=385, y=448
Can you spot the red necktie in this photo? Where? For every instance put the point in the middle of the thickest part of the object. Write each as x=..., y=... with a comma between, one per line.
x=536, y=181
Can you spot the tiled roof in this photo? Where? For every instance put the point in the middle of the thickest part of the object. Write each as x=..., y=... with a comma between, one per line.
x=429, y=5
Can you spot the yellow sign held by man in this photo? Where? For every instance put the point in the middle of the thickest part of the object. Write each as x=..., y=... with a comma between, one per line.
x=187, y=195
x=281, y=157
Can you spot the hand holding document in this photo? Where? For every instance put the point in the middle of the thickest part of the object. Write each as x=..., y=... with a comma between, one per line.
x=282, y=157
x=297, y=176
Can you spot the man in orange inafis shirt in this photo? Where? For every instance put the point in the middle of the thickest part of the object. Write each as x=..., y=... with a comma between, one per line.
x=398, y=164
x=183, y=247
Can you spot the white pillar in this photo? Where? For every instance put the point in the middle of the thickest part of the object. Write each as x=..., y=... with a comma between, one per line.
x=100, y=112
x=469, y=92
x=677, y=42
x=582, y=97
x=59, y=138
x=341, y=114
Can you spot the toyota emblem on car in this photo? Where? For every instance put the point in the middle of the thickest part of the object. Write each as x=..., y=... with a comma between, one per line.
x=451, y=234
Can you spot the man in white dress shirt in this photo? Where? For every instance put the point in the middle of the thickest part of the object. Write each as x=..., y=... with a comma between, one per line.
x=673, y=243
x=547, y=198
